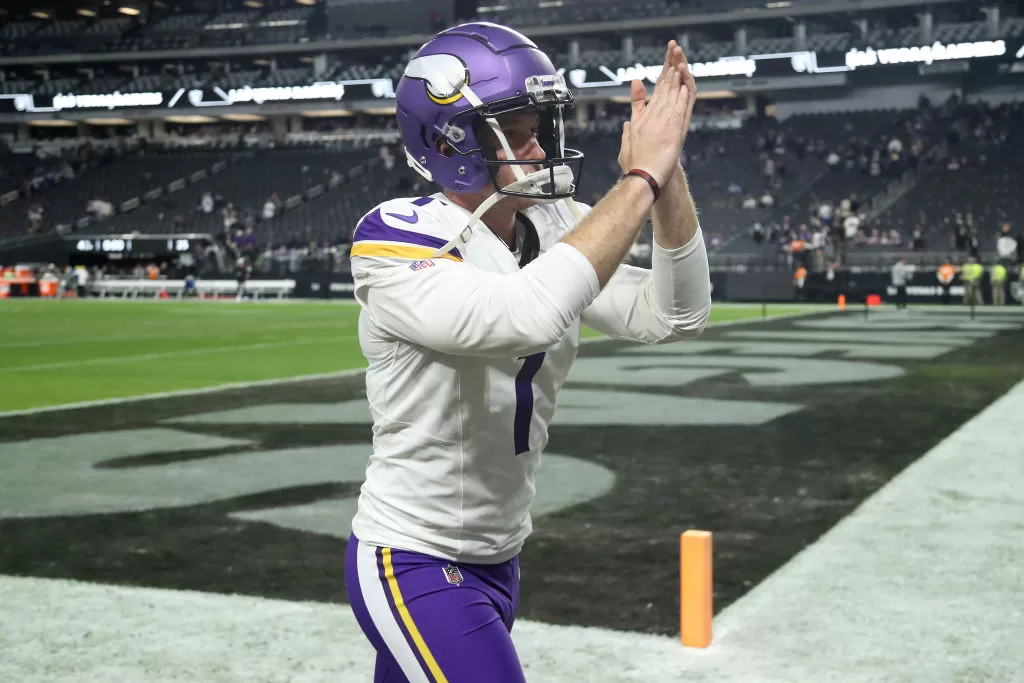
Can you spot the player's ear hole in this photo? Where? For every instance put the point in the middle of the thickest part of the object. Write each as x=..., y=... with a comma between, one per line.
x=443, y=147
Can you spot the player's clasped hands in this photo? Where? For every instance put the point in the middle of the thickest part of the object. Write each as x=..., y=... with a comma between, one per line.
x=652, y=139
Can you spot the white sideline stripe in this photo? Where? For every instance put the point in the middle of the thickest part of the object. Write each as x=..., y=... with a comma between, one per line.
x=918, y=585
x=290, y=380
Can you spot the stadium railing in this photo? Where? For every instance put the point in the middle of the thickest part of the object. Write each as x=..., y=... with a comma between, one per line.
x=130, y=289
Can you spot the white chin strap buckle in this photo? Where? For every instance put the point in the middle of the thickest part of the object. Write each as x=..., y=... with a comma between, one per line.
x=539, y=183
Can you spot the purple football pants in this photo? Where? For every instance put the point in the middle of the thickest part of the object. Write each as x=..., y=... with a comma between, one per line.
x=434, y=621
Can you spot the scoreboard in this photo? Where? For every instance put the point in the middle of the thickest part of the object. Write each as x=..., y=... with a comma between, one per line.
x=133, y=245
x=91, y=248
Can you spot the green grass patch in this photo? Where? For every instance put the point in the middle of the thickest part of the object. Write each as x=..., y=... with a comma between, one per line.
x=58, y=352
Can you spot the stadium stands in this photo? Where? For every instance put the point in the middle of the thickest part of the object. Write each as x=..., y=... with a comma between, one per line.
x=114, y=178
x=541, y=12
x=765, y=178
x=802, y=162
x=975, y=187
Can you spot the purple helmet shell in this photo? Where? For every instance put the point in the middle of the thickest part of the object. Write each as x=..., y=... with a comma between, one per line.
x=469, y=71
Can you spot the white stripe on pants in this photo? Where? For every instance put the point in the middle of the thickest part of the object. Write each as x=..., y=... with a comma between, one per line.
x=372, y=589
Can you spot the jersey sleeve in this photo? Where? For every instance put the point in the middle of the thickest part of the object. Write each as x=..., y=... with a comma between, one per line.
x=671, y=301
x=454, y=307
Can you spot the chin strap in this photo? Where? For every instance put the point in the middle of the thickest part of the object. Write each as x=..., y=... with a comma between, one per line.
x=533, y=182
x=574, y=208
x=474, y=218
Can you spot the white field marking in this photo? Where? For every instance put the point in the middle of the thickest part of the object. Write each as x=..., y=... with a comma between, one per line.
x=171, y=331
x=919, y=584
x=163, y=354
x=303, y=378
x=188, y=302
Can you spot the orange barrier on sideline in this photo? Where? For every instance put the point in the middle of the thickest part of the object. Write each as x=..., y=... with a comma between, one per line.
x=695, y=588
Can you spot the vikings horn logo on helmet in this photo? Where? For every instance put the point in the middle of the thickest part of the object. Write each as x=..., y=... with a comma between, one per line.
x=444, y=75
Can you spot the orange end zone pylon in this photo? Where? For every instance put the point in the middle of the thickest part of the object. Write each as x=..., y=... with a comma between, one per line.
x=695, y=588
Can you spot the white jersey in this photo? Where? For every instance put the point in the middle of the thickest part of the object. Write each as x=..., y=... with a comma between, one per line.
x=466, y=355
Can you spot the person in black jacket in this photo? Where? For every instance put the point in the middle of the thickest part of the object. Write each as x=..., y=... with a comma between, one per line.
x=242, y=272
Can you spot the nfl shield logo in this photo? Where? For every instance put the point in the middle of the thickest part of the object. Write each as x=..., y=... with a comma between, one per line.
x=453, y=575
x=420, y=265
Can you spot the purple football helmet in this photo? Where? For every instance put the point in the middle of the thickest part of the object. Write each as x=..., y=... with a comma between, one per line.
x=462, y=79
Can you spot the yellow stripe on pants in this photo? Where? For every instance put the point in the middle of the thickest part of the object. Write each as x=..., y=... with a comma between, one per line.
x=403, y=611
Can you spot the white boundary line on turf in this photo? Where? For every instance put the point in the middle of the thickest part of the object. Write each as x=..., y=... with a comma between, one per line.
x=304, y=378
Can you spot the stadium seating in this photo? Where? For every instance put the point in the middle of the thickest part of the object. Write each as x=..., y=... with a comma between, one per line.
x=290, y=24
x=321, y=193
x=130, y=175
x=979, y=178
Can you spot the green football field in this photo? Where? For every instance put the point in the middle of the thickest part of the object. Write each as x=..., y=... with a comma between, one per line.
x=58, y=352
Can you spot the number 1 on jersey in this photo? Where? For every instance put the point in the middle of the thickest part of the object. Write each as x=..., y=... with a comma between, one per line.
x=524, y=401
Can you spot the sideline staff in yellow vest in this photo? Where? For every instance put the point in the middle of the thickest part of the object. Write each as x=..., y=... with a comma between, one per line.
x=972, y=271
x=997, y=275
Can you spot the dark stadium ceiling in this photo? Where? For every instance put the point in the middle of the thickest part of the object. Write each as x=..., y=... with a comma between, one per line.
x=12, y=10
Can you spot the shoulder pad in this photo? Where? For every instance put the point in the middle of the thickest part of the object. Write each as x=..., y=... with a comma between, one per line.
x=408, y=228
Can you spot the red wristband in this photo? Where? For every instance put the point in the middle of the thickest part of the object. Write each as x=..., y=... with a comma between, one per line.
x=640, y=173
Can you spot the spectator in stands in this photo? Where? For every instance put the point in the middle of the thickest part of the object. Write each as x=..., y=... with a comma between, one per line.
x=825, y=211
x=269, y=209
x=247, y=241
x=844, y=208
x=973, y=245
x=640, y=252
x=895, y=147
x=851, y=224
x=99, y=209
x=960, y=234
x=35, y=217
x=206, y=203
x=750, y=203
x=757, y=232
x=767, y=200
x=230, y=216
x=917, y=241
x=1006, y=246
x=387, y=158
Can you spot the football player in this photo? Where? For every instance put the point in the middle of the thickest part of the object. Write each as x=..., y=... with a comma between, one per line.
x=472, y=300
